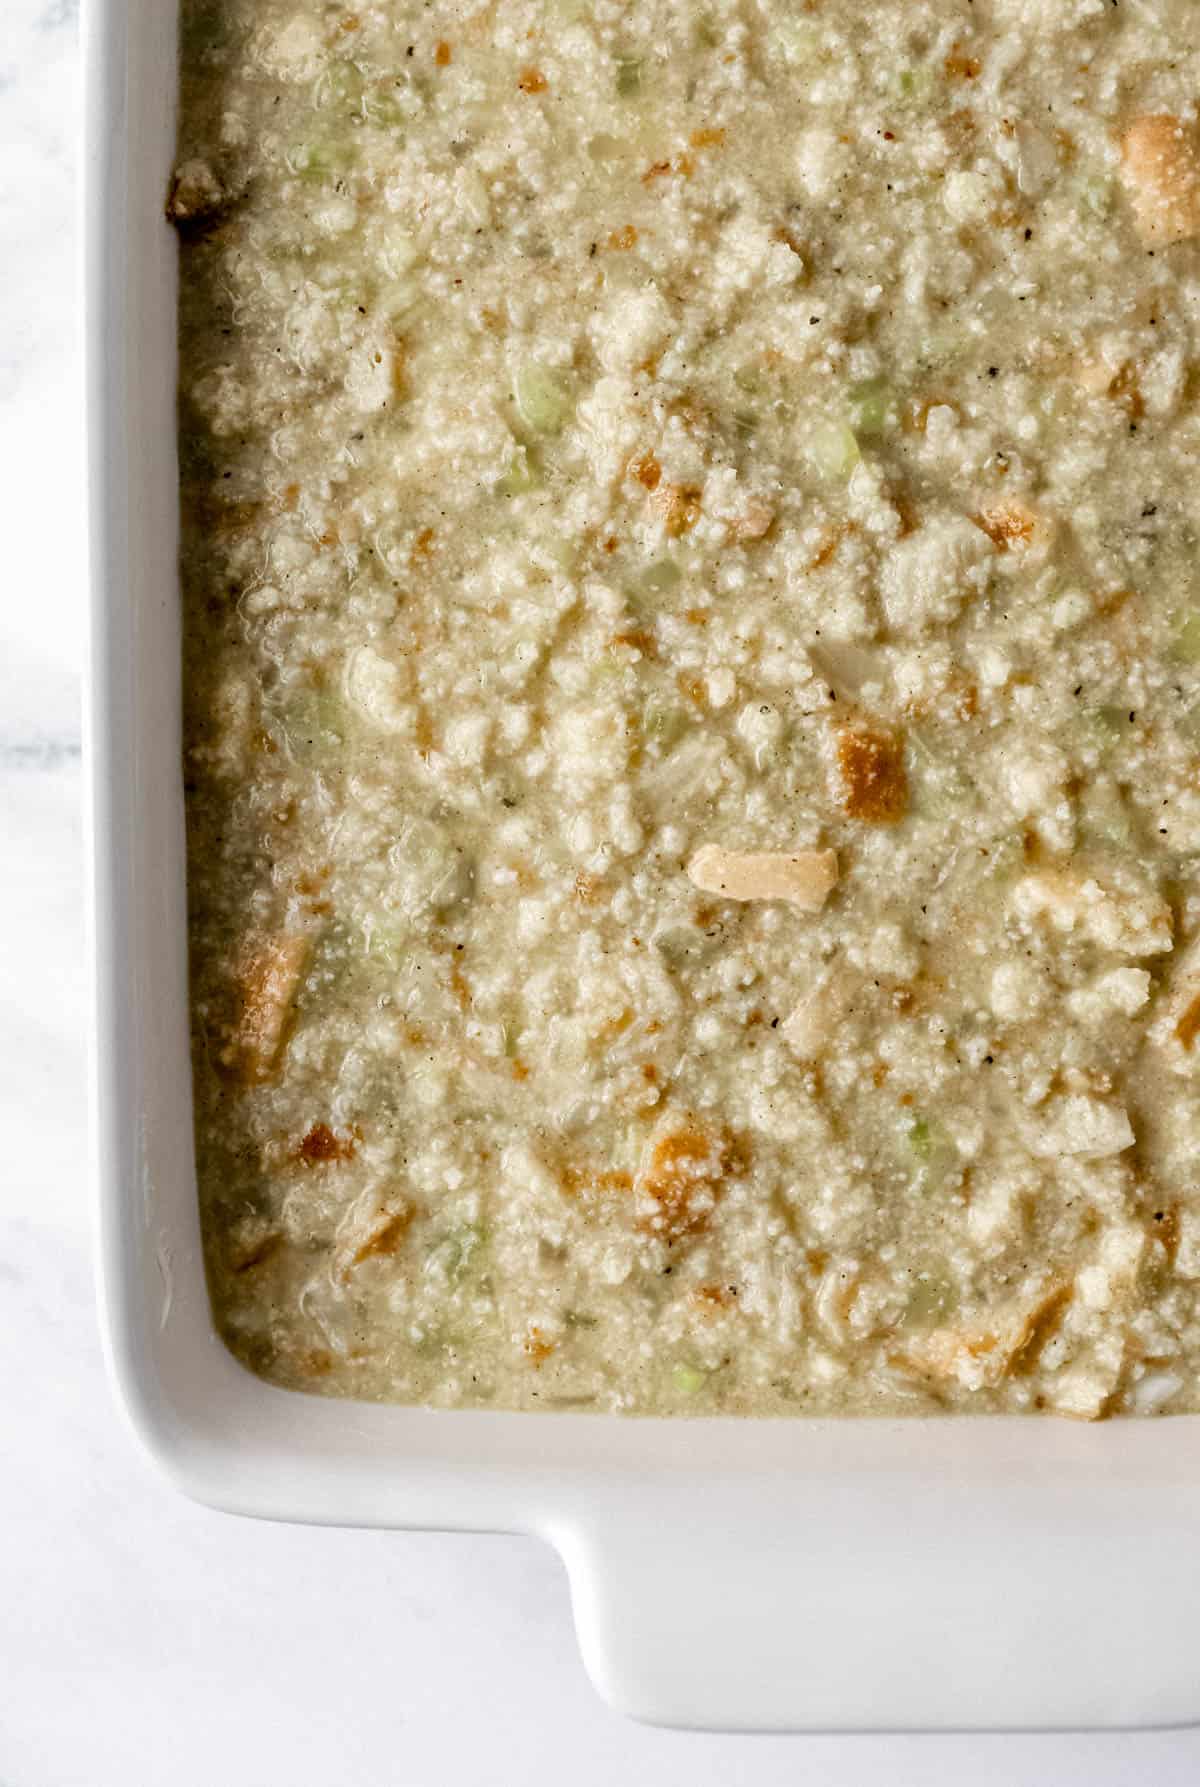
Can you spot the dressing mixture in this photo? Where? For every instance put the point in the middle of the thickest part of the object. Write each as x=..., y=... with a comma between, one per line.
x=693, y=699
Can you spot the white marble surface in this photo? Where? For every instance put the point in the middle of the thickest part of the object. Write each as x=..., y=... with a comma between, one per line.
x=143, y=1641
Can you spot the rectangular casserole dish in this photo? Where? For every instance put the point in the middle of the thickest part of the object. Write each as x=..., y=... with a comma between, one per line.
x=797, y=1575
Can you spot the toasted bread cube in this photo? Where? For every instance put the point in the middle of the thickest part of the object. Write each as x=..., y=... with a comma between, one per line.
x=874, y=783
x=374, y=1234
x=271, y=972
x=804, y=877
x=1013, y=527
x=1160, y=169
x=680, y=1180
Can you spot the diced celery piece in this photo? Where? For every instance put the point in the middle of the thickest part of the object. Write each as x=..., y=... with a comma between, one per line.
x=677, y=944
x=430, y=870
x=564, y=552
x=942, y=346
x=1113, y=719
x=681, y=944
x=659, y=578
x=316, y=161
x=1097, y=731
x=798, y=40
x=832, y=449
x=577, y=1318
x=932, y=1151
x=454, y=1253
x=1189, y=723
x=940, y=790
x=1105, y=815
x=665, y=723
x=873, y=408
x=314, y=722
x=342, y=87
x=387, y=938
x=389, y=104
x=688, y=1379
x=605, y=148
x=605, y=672
x=915, y=86
x=931, y=1298
x=334, y=955
x=520, y=476
x=544, y=397
x=690, y=770
x=1095, y=196
x=1005, y=857
x=1185, y=640
x=629, y=76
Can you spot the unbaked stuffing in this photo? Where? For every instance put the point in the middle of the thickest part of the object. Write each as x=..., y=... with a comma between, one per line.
x=692, y=682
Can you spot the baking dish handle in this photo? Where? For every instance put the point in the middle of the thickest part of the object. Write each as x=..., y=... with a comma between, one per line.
x=686, y=1618
x=868, y=1607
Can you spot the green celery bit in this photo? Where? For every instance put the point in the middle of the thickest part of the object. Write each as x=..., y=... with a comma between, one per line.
x=629, y=76
x=872, y=408
x=833, y=450
x=1005, y=857
x=932, y=1297
x=387, y=938
x=682, y=944
x=520, y=476
x=383, y=104
x=1097, y=730
x=316, y=161
x=314, y=722
x=342, y=86
x=1105, y=815
x=333, y=957
x=688, y=1379
x=544, y=397
x=665, y=723
x=659, y=578
x=1185, y=642
x=940, y=789
x=798, y=40
x=915, y=86
x=1096, y=196
x=932, y=1150
x=457, y=1248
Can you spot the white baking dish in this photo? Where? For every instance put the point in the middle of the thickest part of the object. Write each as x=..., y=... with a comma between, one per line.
x=766, y=1574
